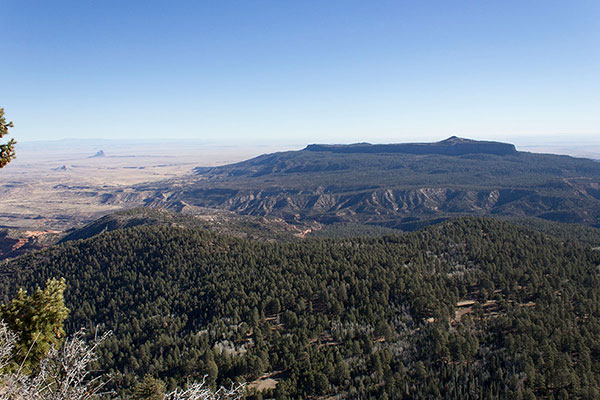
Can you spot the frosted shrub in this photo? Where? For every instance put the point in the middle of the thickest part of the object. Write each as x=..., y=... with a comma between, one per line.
x=64, y=374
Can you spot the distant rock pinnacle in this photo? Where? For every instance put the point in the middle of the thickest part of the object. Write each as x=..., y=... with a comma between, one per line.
x=99, y=154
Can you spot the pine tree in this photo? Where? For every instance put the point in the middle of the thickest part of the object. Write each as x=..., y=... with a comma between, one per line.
x=37, y=319
x=7, y=150
x=149, y=389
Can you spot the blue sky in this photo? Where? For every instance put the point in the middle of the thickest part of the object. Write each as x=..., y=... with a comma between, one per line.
x=301, y=71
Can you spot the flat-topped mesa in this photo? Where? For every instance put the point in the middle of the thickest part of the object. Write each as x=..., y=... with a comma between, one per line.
x=453, y=146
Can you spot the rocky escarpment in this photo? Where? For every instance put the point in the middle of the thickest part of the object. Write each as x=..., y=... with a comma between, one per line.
x=399, y=208
x=14, y=242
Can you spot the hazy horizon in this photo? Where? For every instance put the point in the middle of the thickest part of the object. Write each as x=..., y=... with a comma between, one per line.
x=577, y=147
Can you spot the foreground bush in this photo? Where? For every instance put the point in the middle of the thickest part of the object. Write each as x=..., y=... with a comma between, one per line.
x=64, y=374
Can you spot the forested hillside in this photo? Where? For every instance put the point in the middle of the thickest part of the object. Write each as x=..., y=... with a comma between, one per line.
x=470, y=308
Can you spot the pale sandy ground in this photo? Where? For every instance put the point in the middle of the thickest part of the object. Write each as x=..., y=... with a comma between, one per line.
x=58, y=185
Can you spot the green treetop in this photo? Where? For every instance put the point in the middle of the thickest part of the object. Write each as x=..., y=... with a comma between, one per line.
x=7, y=150
x=38, y=320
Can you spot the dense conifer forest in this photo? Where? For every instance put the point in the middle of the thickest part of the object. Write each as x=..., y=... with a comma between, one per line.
x=469, y=308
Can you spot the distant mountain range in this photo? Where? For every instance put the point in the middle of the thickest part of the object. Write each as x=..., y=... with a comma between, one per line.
x=403, y=186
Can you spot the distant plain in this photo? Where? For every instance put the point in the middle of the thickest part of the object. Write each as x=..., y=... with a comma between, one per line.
x=58, y=184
